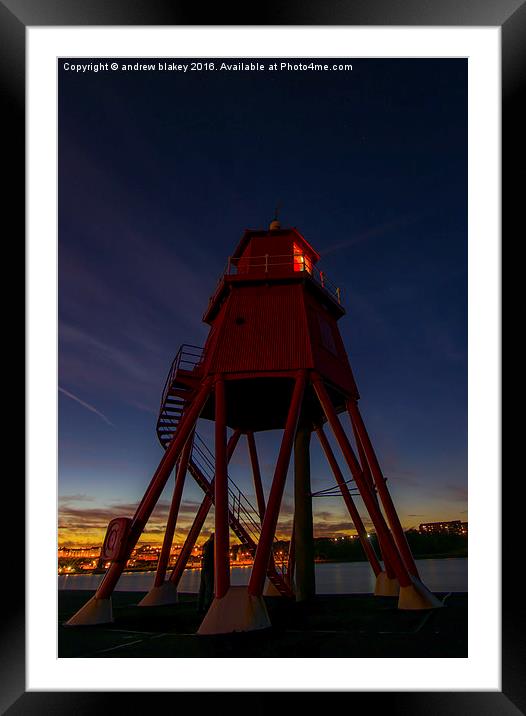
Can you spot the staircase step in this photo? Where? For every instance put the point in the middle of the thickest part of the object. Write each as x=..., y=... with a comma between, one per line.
x=185, y=382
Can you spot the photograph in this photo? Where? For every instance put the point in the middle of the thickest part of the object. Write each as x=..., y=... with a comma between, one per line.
x=262, y=357
x=263, y=363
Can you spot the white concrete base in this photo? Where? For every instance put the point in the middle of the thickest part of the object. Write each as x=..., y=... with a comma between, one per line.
x=417, y=596
x=271, y=590
x=95, y=611
x=160, y=596
x=386, y=587
x=236, y=611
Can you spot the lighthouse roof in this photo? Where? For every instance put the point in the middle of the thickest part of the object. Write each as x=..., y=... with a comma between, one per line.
x=260, y=233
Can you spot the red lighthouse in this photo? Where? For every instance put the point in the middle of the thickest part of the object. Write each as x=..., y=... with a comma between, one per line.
x=274, y=359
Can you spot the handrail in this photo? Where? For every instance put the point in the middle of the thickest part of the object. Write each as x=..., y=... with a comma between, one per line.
x=181, y=357
x=298, y=263
x=237, y=497
x=204, y=459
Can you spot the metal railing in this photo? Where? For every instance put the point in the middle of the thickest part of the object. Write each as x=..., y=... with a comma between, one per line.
x=241, y=508
x=274, y=263
x=188, y=358
x=269, y=264
x=239, y=505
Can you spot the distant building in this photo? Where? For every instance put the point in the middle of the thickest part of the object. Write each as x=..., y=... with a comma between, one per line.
x=454, y=527
x=77, y=552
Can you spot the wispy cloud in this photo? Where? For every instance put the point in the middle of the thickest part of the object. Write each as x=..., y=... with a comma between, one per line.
x=88, y=524
x=81, y=497
x=89, y=407
x=120, y=359
x=371, y=233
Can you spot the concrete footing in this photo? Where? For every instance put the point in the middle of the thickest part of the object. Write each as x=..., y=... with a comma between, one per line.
x=386, y=587
x=417, y=596
x=160, y=596
x=236, y=611
x=95, y=611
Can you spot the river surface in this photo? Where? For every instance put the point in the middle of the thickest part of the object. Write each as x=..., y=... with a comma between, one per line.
x=439, y=575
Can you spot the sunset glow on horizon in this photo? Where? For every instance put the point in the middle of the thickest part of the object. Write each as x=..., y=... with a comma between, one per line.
x=159, y=175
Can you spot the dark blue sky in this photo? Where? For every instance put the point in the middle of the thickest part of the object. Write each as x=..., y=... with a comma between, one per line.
x=160, y=173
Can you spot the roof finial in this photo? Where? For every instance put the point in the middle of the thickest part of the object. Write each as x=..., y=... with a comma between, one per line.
x=275, y=223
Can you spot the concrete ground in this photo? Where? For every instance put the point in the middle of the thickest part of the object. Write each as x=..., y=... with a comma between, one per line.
x=357, y=625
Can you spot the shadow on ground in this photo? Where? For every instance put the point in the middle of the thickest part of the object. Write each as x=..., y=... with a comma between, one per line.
x=329, y=626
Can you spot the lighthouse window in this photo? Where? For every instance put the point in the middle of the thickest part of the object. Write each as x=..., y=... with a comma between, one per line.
x=326, y=335
x=301, y=262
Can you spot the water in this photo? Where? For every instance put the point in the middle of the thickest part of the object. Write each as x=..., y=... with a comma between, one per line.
x=439, y=575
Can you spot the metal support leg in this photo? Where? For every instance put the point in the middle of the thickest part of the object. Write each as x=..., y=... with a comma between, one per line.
x=199, y=521
x=367, y=474
x=268, y=529
x=353, y=511
x=190, y=540
x=256, y=474
x=98, y=608
x=221, y=542
x=303, y=530
x=232, y=444
x=172, y=515
x=376, y=516
x=383, y=492
x=291, y=562
x=260, y=497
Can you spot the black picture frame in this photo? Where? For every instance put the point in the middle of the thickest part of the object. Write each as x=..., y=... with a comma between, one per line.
x=510, y=15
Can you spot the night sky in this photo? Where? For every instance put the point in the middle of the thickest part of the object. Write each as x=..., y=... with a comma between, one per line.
x=160, y=174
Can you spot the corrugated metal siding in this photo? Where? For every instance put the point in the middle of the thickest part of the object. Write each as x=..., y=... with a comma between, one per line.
x=264, y=329
x=336, y=368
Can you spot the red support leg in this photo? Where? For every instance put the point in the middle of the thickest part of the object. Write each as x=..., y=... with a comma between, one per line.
x=156, y=486
x=353, y=511
x=232, y=443
x=221, y=542
x=376, y=516
x=96, y=609
x=256, y=474
x=199, y=521
x=190, y=540
x=383, y=492
x=268, y=529
x=291, y=562
x=260, y=497
x=172, y=515
x=367, y=474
